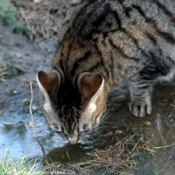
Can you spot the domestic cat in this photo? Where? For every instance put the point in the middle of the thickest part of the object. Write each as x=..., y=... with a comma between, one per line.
x=103, y=43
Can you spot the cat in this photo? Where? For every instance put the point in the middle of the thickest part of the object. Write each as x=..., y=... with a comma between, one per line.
x=103, y=43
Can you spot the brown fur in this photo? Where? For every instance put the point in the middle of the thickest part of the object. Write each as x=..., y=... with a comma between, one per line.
x=103, y=43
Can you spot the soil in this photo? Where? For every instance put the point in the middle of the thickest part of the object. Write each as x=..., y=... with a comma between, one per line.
x=15, y=122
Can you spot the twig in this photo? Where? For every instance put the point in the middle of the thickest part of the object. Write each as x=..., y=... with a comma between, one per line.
x=161, y=147
x=68, y=155
x=132, y=151
x=33, y=127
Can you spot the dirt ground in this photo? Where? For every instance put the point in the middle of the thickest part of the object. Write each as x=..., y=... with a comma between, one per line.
x=29, y=57
x=22, y=59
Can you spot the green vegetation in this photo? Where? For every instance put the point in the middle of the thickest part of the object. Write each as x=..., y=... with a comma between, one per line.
x=25, y=166
x=117, y=159
x=8, y=67
x=8, y=15
x=8, y=166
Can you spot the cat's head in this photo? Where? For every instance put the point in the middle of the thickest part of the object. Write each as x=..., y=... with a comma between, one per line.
x=72, y=110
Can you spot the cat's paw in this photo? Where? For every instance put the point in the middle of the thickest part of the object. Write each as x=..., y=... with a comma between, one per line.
x=140, y=109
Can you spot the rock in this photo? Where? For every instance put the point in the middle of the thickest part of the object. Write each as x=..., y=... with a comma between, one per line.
x=36, y=1
x=118, y=132
x=26, y=101
x=108, y=134
x=74, y=2
x=30, y=124
x=147, y=123
x=34, y=108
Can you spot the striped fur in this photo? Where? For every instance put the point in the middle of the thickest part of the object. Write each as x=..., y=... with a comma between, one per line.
x=103, y=43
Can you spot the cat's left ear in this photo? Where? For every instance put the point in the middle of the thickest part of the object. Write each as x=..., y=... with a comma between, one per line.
x=90, y=86
x=48, y=81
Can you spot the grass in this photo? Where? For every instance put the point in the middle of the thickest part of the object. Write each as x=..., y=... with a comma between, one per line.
x=3, y=68
x=8, y=67
x=8, y=15
x=24, y=166
x=121, y=159
x=117, y=159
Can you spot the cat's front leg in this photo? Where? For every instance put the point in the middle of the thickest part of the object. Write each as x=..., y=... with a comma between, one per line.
x=140, y=95
x=141, y=84
x=140, y=87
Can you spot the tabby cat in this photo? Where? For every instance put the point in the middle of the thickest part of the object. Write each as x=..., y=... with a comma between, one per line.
x=103, y=43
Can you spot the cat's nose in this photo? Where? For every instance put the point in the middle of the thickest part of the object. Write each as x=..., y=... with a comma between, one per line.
x=73, y=140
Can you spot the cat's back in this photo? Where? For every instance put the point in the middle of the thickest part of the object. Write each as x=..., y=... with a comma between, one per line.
x=95, y=16
x=117, y=32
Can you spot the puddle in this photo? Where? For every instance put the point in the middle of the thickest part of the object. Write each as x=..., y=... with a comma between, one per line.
x=18, y=138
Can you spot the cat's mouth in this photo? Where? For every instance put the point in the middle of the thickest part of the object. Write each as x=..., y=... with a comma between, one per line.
x=73, y=139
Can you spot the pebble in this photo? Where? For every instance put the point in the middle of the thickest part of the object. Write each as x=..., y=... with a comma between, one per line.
x=118, y=132
x=147, y=123
x=30, y=124
x=108, y=134
x=14, y=92
x=37, y=1
x=76, y=1
x=26, y=101
x=34, y=107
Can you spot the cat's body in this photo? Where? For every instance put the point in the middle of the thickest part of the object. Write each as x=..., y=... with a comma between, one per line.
x=104, y=43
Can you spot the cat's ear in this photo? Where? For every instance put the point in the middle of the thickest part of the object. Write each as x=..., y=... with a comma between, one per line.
x=91, y=85
x=48, y=81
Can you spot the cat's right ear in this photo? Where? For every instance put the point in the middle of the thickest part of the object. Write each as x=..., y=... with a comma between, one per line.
x=48, y=81
x=91, y=86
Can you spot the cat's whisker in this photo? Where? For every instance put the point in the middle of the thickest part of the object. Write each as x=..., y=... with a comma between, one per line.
x=96, y=129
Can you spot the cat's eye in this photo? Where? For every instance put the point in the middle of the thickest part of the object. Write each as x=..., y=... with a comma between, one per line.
x=85, y=131
x=59, y=132
x=54, y=127
x=86, y=128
